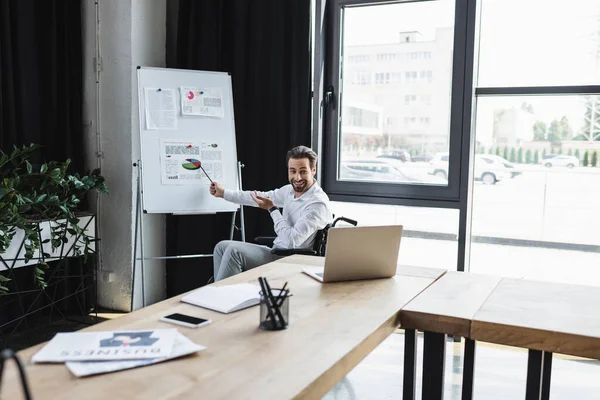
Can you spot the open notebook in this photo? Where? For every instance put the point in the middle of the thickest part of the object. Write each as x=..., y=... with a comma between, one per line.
x=224, y=299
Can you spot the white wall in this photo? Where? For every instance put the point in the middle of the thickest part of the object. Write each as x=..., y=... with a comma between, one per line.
x=130, y=33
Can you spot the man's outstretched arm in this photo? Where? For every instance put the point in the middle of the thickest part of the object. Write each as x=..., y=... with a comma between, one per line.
x=245, y=197
x=316, y=216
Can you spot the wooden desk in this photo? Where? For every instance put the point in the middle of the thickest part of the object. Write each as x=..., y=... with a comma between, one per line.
x=545, y=316
x=449, y=304
x=444, y=308
x=332, y=328
x=404, y=270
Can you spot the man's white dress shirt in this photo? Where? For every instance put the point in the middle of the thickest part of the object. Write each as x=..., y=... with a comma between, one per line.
x=302, y=217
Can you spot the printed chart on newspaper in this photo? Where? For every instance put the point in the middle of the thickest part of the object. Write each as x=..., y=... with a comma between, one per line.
x=187, y=139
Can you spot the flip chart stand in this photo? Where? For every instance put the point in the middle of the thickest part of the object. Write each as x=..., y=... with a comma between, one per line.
x=139, y=222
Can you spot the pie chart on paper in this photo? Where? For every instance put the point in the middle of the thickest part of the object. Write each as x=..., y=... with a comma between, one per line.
x=191, y=164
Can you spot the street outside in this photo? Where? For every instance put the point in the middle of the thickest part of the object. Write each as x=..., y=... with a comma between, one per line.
x=542, y=204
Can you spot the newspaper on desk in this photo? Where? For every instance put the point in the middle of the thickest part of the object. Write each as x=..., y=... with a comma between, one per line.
x=183, y=347
x=108, y=346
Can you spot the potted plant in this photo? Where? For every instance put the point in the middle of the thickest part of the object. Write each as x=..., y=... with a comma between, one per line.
x=39, y=210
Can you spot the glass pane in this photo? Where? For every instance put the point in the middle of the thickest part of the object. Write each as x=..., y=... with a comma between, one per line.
x=545, y=43
x=396, y=85
x=430, y=235
x=535, y=205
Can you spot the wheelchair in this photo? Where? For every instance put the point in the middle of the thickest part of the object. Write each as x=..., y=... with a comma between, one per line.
x=319, y=245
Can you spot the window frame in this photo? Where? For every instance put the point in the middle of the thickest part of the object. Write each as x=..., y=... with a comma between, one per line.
x=461, y=92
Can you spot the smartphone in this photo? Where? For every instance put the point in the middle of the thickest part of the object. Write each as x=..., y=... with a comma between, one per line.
x=185, y=320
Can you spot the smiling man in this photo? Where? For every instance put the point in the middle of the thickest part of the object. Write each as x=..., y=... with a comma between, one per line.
x=305, y=212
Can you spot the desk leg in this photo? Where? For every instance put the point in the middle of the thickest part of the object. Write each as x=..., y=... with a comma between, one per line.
x=539, y=370
x=546, y=376
x=468, y=369
x=410, y=364
x=434, y=362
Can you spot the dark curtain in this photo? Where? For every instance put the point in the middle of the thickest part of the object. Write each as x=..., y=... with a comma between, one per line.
x=40, y=97
x=41, y=77
x=264, y=45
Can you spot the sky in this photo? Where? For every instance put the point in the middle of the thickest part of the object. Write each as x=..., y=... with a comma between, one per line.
x=381, y=23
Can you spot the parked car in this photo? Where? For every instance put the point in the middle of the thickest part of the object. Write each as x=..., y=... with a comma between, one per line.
x=421, y=158
x=507, y=164
x=380, y=170
x=547, y=156
x=561, y=161
x=488, y=168
x=401, y=155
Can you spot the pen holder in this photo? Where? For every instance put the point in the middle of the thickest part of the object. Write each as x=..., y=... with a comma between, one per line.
x=274, y=312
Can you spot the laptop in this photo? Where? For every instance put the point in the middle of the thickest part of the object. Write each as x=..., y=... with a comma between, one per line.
x=357, y=253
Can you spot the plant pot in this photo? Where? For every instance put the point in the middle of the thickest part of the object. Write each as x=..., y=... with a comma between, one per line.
x=14, y=257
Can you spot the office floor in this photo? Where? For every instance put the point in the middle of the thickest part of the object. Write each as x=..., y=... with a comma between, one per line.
x=500, y=373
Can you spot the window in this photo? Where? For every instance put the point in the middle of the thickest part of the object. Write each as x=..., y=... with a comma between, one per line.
x=536, y=141
x=382, y=78
x=357, y=117
x=425, y=99
x=361, y=58
x=368, y=28
x=527, y=56
x=426, y=76
x=534, y=177
x=386, y=57
x=410, y=77
x=410, y=99
x=363, y=78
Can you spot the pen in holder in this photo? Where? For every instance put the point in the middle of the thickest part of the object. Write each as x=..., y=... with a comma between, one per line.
x=274, y=306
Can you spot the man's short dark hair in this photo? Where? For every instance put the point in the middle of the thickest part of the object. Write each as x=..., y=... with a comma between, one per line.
x=299, y=152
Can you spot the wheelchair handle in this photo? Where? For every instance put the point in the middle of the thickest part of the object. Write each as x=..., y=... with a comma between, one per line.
x=347, y=220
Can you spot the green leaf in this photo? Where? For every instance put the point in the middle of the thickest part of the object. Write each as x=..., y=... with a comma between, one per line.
x=52, y=194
